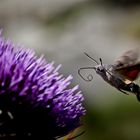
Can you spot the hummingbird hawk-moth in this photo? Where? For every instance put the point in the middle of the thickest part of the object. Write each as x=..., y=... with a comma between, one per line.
x=121, y=74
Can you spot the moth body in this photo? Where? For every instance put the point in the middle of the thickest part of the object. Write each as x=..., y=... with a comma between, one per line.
x=121, y=74
x=108, y=74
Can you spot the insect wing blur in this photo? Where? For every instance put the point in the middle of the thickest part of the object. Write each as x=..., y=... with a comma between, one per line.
x=121, y=74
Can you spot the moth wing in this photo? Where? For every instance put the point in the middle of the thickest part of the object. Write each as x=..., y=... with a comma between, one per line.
x=129, y=57
x=127, y=66
x=130, y=72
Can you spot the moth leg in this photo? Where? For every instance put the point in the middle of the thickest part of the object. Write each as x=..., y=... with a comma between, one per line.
x=123, y=92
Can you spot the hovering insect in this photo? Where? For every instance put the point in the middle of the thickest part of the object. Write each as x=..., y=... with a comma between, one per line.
x=121, y=74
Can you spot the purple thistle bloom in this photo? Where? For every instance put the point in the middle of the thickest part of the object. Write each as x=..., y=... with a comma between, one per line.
x=35, y=101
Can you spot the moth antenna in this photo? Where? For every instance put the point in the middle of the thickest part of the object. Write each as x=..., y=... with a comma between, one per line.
x=101, y=61
x=105, y=69
x=89, y=77
x=91, y=57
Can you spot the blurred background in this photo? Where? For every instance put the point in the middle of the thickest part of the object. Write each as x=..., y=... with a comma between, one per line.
x=63, y=30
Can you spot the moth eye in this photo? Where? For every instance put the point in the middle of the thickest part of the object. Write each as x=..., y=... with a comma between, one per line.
x=100, y=69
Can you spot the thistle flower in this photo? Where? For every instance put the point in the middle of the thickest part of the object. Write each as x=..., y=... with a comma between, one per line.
x=35, y=101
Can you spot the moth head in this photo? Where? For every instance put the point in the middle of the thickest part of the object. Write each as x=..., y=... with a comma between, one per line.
x=99, y=69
